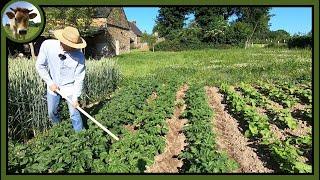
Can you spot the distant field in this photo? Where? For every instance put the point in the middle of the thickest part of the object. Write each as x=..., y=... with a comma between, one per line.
x=31, y=32
x=214, y=66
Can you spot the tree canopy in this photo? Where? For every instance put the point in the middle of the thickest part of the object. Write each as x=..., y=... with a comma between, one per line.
x=58, y=17
x=214, y=23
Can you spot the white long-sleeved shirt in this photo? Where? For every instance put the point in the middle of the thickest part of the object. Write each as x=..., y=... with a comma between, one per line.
x=68, y=74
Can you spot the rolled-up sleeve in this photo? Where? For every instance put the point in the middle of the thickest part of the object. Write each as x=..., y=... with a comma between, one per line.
x=42, y=65
x=79, y=78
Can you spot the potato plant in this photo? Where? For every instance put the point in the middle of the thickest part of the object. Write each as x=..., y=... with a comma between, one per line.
x=60, y=149
x=201, y=154
x=283, y=153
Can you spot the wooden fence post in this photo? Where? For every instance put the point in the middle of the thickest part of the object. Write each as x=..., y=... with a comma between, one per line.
x=32, y=50
x=117, y=47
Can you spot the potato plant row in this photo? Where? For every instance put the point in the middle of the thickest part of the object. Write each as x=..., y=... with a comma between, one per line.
x=302, y=92
x=285, y=155
x=137, y=149
x=281, y=116
x=201, y=154
x=278, y=95
x=278, y=115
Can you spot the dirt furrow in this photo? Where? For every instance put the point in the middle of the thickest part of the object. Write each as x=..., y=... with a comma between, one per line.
x=302, y=129
x=298, y=106
x=279, y=133
x=175, y=140
x=230, y=139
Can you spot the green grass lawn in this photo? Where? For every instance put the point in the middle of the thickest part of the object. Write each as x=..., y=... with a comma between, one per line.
x=220, y=65
x=30, y=34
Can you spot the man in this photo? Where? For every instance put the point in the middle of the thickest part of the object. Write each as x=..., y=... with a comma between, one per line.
x=61, y=64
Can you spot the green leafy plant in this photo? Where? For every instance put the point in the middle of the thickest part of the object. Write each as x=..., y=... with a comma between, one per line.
x=201, y=154
x=286, y=155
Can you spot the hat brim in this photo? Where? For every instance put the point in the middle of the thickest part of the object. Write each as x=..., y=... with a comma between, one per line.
x=59, y=36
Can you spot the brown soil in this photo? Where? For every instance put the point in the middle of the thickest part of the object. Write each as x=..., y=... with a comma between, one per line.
x=130, y=128
x=175, y=140
x=230, y=139
x=298, y=106
x=261, y=110
x=275, y=104
x=302, y=129
x=152, y=97
x=277, y=132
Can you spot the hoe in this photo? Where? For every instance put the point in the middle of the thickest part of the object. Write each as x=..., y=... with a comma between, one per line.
x=90, y=117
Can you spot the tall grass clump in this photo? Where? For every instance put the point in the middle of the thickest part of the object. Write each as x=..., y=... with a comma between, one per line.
x=102, y=78
x=27, y=106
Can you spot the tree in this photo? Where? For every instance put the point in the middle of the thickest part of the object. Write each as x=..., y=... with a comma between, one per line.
x=170, y=21
x=190, y=34
x=237, y=33
x=213, y=22
x=279, y=35
x=258, y=19
x=215, y=31
x=150, y=39
x=203, y=15
x=59, y=17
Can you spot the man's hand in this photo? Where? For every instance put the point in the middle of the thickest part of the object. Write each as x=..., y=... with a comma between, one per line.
x=75, y=104
x=54, y=87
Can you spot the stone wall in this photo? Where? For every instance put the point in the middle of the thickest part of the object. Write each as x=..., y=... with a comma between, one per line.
x=136, y=39
x=122, y=36
x=117, y=29
x=99, y=22
x=99, y=46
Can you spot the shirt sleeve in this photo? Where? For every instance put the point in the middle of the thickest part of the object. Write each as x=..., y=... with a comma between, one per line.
x=42, y=65
x=79, y=78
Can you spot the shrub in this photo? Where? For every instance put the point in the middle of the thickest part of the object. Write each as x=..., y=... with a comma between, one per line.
x=276, y=45
x=297, y=41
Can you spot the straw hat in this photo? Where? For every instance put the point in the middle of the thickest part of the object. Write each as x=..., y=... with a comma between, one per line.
x=70, y=36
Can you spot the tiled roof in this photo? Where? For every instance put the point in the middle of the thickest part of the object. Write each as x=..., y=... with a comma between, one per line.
x=135, y=29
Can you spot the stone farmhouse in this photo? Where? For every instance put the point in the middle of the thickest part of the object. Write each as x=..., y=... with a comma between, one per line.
x=111, y=34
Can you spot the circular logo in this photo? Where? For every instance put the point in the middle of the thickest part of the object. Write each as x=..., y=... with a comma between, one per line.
x=22, y=21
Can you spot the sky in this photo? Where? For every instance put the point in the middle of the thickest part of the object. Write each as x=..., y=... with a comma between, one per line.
x=144, y=16
x=27, y=5
x=292, y=19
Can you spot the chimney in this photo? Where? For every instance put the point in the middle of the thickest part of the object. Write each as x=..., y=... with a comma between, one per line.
x=134, y=22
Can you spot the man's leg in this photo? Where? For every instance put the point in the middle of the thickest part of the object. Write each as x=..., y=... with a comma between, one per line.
x=53, y=103
x=75, y=118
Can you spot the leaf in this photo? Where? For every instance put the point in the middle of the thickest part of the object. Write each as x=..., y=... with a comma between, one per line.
x=292, y=124
x=302, y=167
x=253, y=129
